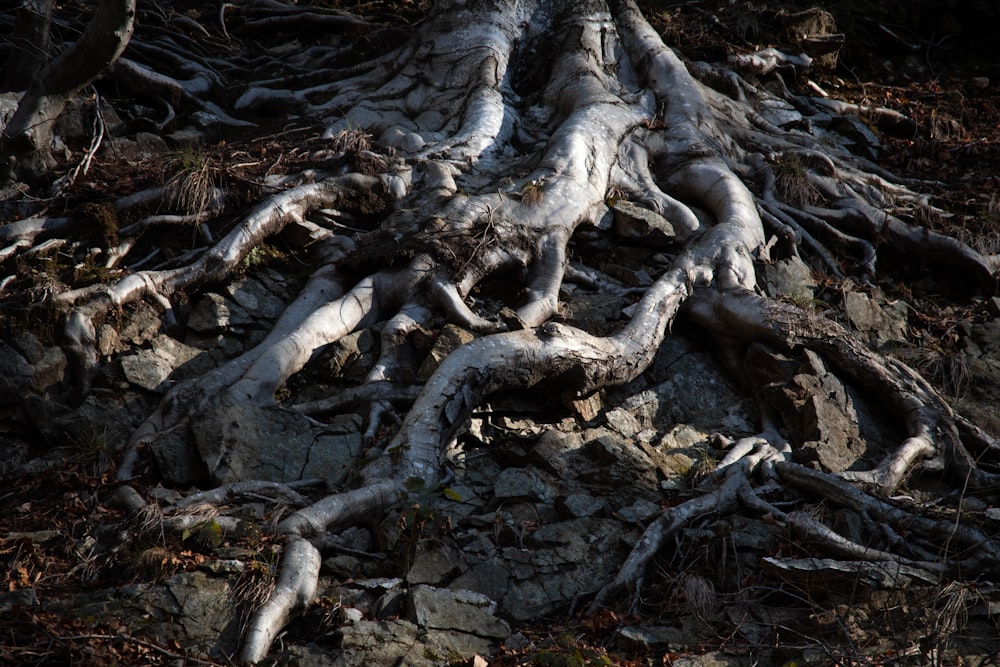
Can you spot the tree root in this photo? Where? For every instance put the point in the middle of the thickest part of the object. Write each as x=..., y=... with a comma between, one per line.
x=501, y=132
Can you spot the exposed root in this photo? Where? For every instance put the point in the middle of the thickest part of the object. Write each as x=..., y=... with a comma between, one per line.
x=477, y=151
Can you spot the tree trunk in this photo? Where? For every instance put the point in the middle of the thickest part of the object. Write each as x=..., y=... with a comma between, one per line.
x=499, y=134
x=25, y=145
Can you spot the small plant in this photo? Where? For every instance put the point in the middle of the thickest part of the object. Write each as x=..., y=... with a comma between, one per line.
x=351, y=140
x=254, y=585
x=531, y=192
x=192, y=188
x=94, y=447
x=791, y=181
x=154, y=564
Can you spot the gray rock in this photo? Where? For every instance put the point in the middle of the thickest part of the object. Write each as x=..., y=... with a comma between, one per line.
x=635, y=222
x=558, y=452
x=450, y=338
x=24, y=597
x=814, y=404
x=273, y=444
x=651, y=637
x=639, y=512
x=524, y=483
x=624, y=422
x=880, y=324
x=191, y=610
x=461, y=610
x=107, y=418
x=562, y=560
x=306, y=655
x=435, y=564
x=26, y=366
x=256, y=298
x=143, y=324
x=582, y=504
x=790, y=278
x=151, y=368
x=375, y=643
x=216, y=313
x=697, y=393
x=142, y=145
x=489, y=577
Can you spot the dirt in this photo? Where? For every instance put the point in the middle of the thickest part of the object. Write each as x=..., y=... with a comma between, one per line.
x=929, y=60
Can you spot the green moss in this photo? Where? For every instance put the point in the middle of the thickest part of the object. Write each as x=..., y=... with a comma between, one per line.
x=99, y=221
x=261, y=255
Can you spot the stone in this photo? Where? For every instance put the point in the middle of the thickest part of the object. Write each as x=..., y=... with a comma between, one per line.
x=815, y=406
x=154, y=368
x=524, y=483
x=450, y=338
x=28, y=367
x=582, y=505
x=632, y=221
x=435, y=564
x=274, y=444
x=216, y=313
x=640, y=512
x=881, y=324
x=256, y=298
x=790, y=278
x=651, y=637
x=623, y=422
x=375, y=643
x=461, y=610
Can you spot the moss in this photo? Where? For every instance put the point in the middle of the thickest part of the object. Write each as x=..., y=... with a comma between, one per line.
x=99, y=221
x=260, y=256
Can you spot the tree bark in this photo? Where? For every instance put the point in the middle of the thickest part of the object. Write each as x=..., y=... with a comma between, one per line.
x=25, y=145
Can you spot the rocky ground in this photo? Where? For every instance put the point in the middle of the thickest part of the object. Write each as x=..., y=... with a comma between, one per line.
x=546, y=496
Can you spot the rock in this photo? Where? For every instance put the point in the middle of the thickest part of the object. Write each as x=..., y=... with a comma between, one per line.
x=375, y=643
x=814, y=405
x=21, y=598
x=256, y=298
x=216, y=313
x=881, y=325
x=640, y=512
x=450, y=338
x=790, y=278
x=143, y=145
x=558, y=452
x=582, y=505
x=488, y=577
x=435, y=564
x=152, y=368
x=461, y=610
x=524, y=483
x=683, y=436
x=623, y=422
x=28, y=367
x=632, y=221
x=305, y=655
x=270, y=443
x=106, y=419
x=561, y=561
x=146, y=369
x=697, y=393
x=651, y=637
x=192, y=611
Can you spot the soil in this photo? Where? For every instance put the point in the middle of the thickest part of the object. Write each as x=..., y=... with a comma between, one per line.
x=933, y=61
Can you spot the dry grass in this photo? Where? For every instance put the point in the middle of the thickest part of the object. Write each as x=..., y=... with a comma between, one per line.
x=192, y=189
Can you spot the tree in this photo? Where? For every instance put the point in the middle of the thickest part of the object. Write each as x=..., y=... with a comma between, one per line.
x=25, y=147
x=502, y=130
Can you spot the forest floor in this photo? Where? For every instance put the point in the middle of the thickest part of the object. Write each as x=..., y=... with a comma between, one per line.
x=942, y=83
